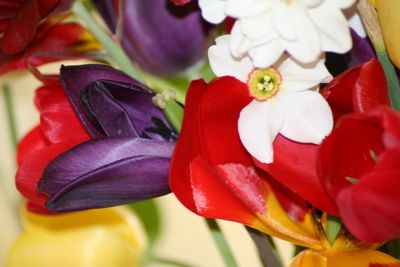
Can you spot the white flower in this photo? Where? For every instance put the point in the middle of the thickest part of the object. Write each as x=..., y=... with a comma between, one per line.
x=286, y=100
x=265, y=29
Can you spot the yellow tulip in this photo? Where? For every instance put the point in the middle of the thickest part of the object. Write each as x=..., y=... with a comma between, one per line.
x=389, y=20
x=93, y=238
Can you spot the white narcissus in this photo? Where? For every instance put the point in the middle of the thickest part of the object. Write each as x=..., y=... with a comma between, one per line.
x=265, y=29
x=286, y=100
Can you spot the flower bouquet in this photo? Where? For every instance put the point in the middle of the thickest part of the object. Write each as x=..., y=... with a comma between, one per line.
x=282, y=116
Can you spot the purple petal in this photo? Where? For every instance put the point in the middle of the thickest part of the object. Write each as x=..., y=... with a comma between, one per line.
x=362, y=50
x=110, y=103
x=107, y=172
x=107, y=10
x=123, y=110
x=163, y=38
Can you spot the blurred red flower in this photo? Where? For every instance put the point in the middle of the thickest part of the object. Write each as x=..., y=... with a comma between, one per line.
x=20, y=21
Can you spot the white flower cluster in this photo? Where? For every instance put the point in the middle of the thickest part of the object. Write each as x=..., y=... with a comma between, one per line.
x=276, y=47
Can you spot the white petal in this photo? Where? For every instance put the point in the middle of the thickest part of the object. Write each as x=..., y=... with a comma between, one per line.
x=224, y=64
x=246, y=8
x=266, y=55
x=333, y=28
x=299, y=77
x=259, y=124
x=311, y=3
x=239, y=43
x=343, y=4
x=258, y=26
x=213, y=10
x=283, y=25
x=308, y=116
x=307, y=46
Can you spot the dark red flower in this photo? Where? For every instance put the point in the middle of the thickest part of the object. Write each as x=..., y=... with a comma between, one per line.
x=53, y=42
x=20, y=21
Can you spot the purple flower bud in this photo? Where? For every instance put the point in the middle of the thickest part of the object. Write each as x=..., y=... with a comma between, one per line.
x=163, y=38
x=128, y=159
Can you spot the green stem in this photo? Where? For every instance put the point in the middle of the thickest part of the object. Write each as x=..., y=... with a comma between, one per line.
x=269, y=255
x=10, y=115
x=221, y=243
x=174, y=114
x=391, y=78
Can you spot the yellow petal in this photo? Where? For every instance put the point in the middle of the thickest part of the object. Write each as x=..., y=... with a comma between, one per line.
x=389, y=19
x=94, y=238
x=278, y=223
x=337, y=258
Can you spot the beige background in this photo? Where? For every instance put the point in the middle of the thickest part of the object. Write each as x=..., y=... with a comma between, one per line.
x=185, y=235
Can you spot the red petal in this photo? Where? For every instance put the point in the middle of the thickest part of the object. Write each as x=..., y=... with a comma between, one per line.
x=295, y=165
x=187, y=148
x=21, y=29
x=339, y=92
x=346, y=151
x=214, y=176
x=180, y=2
x=46, y=6
x=57, y=117
x=370, y=89
x=31, y=169
x=370, y=209
x=32, y=141
x=52, y=43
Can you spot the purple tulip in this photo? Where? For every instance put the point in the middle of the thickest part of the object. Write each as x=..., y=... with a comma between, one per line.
x=163, y=38
x=128, y=158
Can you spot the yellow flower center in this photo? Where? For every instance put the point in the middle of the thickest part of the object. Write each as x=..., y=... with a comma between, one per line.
x=264, y=83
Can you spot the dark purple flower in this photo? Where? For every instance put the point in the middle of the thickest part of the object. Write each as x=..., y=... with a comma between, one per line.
x=128, y=158
x=161, y=37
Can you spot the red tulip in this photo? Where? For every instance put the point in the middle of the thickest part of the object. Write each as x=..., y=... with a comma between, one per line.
x=46, y=141
x=214, y=176
x=359, y=165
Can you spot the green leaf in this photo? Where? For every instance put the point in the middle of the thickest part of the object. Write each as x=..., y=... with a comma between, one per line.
x=333, y=228
x=149, y=214
x=221, y=243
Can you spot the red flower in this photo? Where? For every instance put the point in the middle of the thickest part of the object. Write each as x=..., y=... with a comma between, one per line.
x=359, y=165
x=59, y=130
x=20, y=21
x=214, y=176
